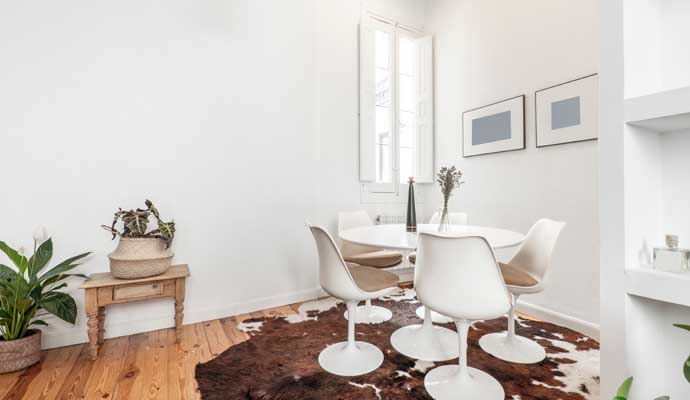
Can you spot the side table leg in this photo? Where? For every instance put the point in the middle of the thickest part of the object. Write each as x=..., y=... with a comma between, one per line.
x=179, y=308
x=101, y=325
x=92, y=323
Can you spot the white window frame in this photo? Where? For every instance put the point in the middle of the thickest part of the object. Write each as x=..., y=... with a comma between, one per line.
x=373, y=191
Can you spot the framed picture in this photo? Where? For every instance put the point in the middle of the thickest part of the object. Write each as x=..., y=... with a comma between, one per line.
x=567, y=113
x=494, y=128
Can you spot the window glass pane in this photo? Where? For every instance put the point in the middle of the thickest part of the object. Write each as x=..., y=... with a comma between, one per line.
x=407, y=164
x=407, y=130
x=407, y=56
x=407, y=98
x=383, y=107
x=408, y=93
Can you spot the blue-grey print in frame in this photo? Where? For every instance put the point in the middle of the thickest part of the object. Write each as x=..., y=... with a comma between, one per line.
x=565, y=113
x=491, y=128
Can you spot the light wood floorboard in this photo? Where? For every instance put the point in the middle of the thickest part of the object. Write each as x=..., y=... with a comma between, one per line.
x=144, y=366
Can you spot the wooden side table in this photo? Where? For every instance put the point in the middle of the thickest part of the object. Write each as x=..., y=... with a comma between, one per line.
x=103, y=289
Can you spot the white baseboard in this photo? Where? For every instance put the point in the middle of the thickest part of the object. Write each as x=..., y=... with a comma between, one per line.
x=66, y=337
x=585, y=327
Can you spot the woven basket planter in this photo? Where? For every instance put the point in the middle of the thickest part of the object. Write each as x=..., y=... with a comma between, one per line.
x=136, y=258
x=21, y=353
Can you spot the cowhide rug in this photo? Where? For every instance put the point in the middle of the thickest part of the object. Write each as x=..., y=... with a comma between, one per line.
x=279, y=362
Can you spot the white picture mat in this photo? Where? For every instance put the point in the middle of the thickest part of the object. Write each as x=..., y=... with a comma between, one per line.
x=587, y=90
x=516, y=106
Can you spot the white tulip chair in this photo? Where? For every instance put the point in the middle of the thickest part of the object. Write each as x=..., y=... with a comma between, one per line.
x=459, y=277
x=525, y=273
x=352, y=285
x=368, y=257
x=456, y=218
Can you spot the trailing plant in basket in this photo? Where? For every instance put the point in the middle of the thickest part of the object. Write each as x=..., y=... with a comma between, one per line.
x=25, y=290
x=135, y=223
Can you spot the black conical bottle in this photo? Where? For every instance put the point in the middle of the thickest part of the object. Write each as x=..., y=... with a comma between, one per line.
x=411, y=213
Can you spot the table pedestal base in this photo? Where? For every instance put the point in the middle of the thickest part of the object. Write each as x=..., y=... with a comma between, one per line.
x=435, y=317
x=426, y=342
x=368, y=314
x=446, y=382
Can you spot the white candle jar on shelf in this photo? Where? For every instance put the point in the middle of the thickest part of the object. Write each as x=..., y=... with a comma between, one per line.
x=671, y=258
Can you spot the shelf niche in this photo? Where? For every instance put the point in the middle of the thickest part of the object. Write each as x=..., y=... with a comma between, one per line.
x=656, y=170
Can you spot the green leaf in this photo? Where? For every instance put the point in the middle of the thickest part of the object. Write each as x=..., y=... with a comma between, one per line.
x=682, y=326
x=167, y=232
x=61, y=305
x=7, y=273
x=58, y=278
x=663, y=398
x=39, y=322
x=19, y=260
x=36, y=293
x=624, y=389
x=60, y=286
x=153, y=209
x=136, y=222
x=39, y=260
x=686, y=370
x=63, y=267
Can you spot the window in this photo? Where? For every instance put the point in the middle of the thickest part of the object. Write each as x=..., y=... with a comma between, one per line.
x=396, y=110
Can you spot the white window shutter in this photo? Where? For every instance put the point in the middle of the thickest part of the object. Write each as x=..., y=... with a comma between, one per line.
x=367, y=103
x=425, y=111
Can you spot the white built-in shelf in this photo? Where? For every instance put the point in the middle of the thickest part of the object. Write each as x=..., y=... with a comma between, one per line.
x=658, y=285
x=661, y=112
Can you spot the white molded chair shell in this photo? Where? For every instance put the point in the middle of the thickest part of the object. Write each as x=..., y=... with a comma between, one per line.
x=456, y=218
x=533, y=261
x=352, y=357
x=334, y=276
x=459, y=277
x=534, y=255
x=351, y=220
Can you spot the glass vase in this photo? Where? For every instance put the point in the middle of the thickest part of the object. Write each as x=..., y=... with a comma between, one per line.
x=444, y=222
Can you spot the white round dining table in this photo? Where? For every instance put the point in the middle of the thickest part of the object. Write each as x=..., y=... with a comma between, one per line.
x=426, y=341
x=395, y=237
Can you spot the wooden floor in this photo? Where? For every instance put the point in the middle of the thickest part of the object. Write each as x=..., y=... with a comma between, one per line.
x=144, y=366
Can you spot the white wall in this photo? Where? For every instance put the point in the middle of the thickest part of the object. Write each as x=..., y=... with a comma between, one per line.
x=655, y=30
x=206, y=107
x=675, y=191
x=612, y=197
x=211, y=109
x=491, y=50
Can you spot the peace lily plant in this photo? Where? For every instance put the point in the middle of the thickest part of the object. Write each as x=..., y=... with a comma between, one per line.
x=28, y=291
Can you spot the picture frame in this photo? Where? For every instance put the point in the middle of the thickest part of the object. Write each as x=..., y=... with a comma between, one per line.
x=567, y=112
x=494, y=128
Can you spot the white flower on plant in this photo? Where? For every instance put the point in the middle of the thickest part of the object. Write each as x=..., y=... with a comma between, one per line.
x=40, y=234
x=21, y=250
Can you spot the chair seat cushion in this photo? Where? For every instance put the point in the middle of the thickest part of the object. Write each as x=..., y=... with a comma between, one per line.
x=514, y=276
x=413, y=258
x=378, y=259
x=371, y=279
